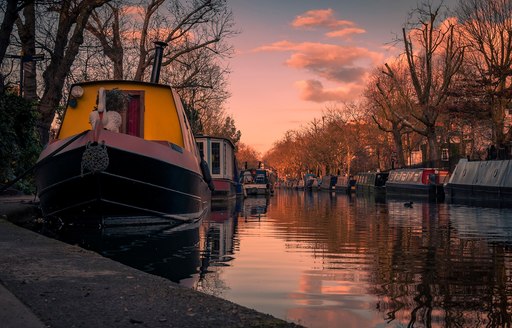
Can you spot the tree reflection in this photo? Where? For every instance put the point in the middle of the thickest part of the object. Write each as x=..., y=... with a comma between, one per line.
x=422, y=272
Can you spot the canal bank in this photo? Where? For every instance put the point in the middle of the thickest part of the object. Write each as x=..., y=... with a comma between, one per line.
x=47, y=283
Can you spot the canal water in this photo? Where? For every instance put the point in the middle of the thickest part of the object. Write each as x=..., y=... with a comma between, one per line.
x=323, y=259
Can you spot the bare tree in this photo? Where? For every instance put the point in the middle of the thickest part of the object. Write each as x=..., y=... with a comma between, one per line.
x=11, y=10
x=106, y=24
x=195, y=31
x=431, y=70
x=383, y=101
x=73, y=16
x=487, y=28
x=200, y=24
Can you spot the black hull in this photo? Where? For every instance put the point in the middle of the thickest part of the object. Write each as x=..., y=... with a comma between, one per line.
x=133, y=185
x=430, y=192
x=479, y=195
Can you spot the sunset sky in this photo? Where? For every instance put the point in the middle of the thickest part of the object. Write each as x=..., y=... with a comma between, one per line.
x=295, y=57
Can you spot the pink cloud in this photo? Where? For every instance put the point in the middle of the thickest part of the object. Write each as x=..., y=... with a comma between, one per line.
x=346, y=32
x=332, y=62
x=320, y=17
x=325, y=18
x=313, y=90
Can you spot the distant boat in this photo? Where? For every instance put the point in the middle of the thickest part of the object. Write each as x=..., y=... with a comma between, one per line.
x=310, y=181
x=417, y=182
x=345, y=184
x=257, y=182
x=328, y=182
x=371, y=182
x=124, y=154
x=219, y=153
x=481, y=182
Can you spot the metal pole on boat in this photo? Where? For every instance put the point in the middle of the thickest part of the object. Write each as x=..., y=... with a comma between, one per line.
x=157, y=63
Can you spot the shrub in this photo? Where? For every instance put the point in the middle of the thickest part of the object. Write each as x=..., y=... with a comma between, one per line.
x=19, y=141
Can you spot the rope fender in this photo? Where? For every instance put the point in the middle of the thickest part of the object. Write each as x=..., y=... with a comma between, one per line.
x=95, y=158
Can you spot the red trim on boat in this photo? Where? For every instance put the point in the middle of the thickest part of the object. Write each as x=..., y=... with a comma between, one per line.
x=159, y=150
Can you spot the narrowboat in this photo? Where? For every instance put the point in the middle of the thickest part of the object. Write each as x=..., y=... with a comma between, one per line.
x=481, y=182
x=371, y=182
x=345, y=184
x=124, y=154
x=219, y=153
x=417, y=182
x=328, y=182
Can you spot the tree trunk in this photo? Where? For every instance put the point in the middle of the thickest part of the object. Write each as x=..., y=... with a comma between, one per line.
x=498, y=118
x=433, y=147
x=9, y=18
x=397, y=139
x=64, y=52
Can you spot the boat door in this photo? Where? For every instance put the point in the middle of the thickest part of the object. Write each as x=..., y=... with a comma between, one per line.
x=133, y=117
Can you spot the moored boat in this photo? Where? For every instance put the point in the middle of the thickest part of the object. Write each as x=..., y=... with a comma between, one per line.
x=328, y=182
x=219, y=153
x=345, y=184
x=257, y=182
x=481, y=182
x=371, y=182
x=310, y=181
x=124, y=152
x=419, y=182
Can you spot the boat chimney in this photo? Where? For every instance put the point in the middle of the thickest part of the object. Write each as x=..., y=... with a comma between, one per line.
x=157, y=63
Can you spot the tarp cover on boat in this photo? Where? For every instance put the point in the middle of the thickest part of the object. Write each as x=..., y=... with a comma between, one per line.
x=483, y=173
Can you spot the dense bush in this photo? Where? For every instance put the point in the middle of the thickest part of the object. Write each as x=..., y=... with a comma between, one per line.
x=19, y=141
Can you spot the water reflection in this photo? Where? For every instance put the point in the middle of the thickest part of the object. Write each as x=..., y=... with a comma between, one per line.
x=323, y=259
x=156, y=249
x=217, y=246
x=366, y=263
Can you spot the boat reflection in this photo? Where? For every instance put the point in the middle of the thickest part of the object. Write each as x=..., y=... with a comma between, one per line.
x=255, y=207
x=217, y=247
x=163, y=250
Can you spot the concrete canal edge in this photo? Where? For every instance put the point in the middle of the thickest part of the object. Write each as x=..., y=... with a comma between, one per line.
x=48, y=283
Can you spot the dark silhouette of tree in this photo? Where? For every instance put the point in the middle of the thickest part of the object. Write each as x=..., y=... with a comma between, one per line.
x=487, y=30
x=11, y=10
x=69, y=36
x=433, y=57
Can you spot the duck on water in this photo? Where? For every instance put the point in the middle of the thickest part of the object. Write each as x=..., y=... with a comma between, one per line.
x=124, y=153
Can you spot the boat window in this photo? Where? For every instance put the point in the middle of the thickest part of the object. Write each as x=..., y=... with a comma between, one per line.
x=215, y=158
x=445, y=154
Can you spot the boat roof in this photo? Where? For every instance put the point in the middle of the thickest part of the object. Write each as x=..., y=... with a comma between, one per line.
x=206, y=136
x=147, y=84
